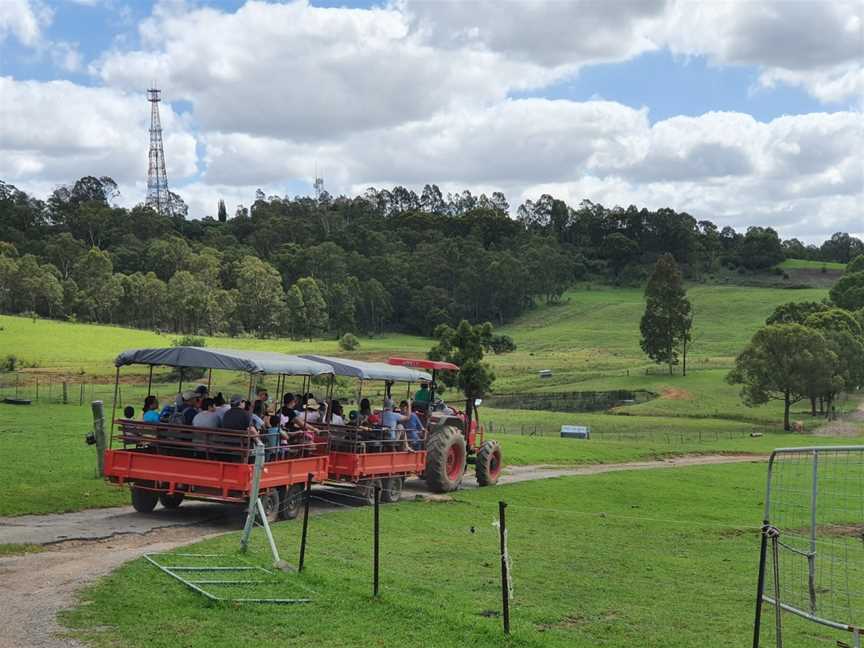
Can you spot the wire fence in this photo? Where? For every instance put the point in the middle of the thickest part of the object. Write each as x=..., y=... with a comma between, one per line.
x=696, y=434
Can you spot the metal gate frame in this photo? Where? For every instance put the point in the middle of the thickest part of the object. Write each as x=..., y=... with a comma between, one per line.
x=771, y=535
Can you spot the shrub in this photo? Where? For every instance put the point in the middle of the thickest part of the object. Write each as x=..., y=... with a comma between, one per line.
x=502, y=344
x=189, y=340
x=348, y=342
x=9, y=363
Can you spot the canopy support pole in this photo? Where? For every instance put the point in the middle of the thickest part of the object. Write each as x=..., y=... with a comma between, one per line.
x=114, y=406
x=251, y=378
x=180, y=387
x=209, y=380
x=150, y=381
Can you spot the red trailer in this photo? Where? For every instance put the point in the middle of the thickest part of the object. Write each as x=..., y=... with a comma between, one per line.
x=165, y=462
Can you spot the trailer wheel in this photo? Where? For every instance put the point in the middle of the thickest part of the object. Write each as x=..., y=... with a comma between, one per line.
x=445, y=459
x=170, y=501
x=487, y=465
x=292, y=503
x=365, y=490
x=391, y=489
x=270, y=499
x=143, y=501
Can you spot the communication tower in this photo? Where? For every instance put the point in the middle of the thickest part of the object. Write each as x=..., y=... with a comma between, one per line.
x=157, y=180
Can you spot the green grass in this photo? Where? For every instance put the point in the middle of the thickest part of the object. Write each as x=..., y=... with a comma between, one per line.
x=645, y=558
x=803, y=264
x=48, y=468
x=14, y=549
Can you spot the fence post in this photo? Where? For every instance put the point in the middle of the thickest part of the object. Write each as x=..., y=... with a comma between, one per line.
x=81, y=397
x=17, y=377
x=37, y=388
x=306, y=497
x=760, y=583
x=505, y=577
x=376, y=544
x=65, y=392
x=98, y=408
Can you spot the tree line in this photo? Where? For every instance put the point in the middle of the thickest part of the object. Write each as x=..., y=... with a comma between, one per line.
x=306, y=267
x=808, y=350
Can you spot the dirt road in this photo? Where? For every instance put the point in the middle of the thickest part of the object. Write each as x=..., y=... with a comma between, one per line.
x=84, y=546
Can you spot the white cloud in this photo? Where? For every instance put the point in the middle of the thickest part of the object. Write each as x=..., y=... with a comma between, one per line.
x=23, y=19
x=814, y=44
x=58, y=131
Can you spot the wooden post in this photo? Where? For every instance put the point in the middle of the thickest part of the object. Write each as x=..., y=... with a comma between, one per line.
x=98, y=408
x=81, y=397
x=65, y=392
x=37, y=388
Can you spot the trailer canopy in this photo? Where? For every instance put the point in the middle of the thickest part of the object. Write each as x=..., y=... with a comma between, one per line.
x=259, y=362
x=371, y=370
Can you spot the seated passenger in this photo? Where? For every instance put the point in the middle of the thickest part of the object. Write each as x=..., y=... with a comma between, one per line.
x=273, y=435
x=208, y=416
x=236, y=418
x=312, y=413
x=192, y=406
x=129, y=412
x=390, y=418
x=221, y=405
x=413, y=426
x=151, y=410
x=336, y=414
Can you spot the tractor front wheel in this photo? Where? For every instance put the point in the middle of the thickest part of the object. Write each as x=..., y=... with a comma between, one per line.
x=487, y=464
x=391, y=489
x=293, y=502
x=144, y=501
x=171, y=501
x=445, y=460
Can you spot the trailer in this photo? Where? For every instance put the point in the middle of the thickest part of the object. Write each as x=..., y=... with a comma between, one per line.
x=166, y=462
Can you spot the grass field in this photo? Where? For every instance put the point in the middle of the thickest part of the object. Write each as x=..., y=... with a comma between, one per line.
x=803, y=264
x=662, y=559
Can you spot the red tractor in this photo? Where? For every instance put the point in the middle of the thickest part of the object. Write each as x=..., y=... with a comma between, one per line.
x=456, y=438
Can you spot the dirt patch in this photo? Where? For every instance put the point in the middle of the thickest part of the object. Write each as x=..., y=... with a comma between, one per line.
x=675, y=393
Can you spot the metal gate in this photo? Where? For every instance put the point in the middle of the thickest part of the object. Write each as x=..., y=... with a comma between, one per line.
x=812, y=547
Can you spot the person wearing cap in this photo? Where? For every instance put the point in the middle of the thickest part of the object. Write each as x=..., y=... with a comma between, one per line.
x=391, y=417
x=191, y=406
x=236, y=418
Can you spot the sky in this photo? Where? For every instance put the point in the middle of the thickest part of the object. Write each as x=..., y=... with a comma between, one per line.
x=740, y=112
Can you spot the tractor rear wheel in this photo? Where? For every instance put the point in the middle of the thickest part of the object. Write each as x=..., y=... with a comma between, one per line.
x=445, y=459
x=171, y=501
x=365, y=490
x=270, y=499
x=143, y=501
x=487, y=464
x=391, y=489
x=292, y=503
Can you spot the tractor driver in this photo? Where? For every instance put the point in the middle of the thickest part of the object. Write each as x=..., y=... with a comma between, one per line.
x=423, y=396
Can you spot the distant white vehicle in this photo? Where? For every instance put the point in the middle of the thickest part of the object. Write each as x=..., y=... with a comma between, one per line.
x=545, y=373
x=575, y=432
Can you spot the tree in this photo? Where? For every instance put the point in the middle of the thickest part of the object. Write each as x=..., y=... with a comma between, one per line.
x=619, y=251
x=294, y=312
x=261, y=297
x=463, y=346
x=795, y=312
x=760, y=248
x=783, y=362
x=667, y=320
x=222, y=212
x=848, y=292
x=315, y=317
x=855, y=265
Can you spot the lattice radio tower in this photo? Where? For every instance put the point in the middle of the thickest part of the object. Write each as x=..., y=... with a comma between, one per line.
x=157, y=180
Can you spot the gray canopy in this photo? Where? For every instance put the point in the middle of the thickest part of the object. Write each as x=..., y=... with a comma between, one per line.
x=263, y=362
x=371, y=370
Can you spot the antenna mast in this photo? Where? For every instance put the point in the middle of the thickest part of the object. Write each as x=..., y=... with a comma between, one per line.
x=157, y=180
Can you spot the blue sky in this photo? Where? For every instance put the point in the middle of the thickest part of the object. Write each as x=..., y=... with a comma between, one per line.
x=659, y=103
